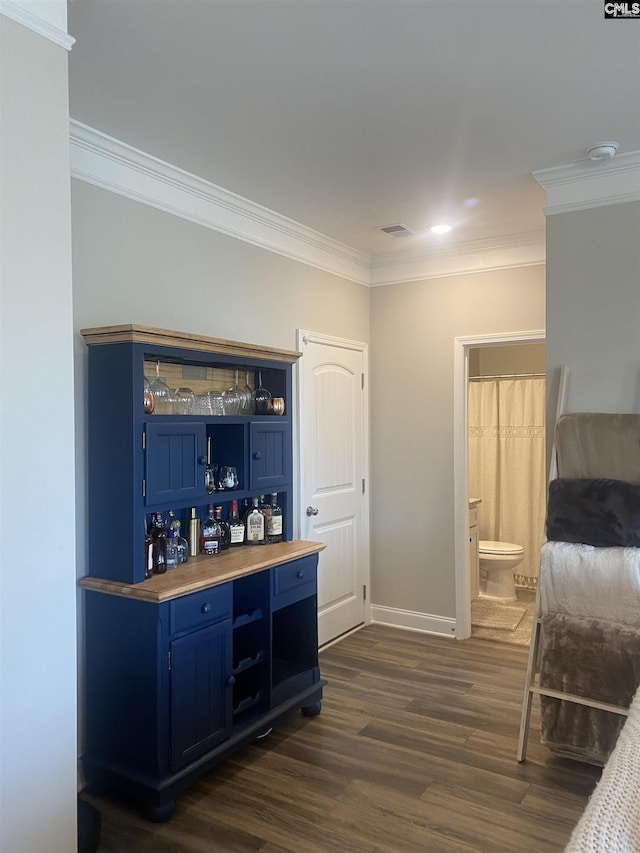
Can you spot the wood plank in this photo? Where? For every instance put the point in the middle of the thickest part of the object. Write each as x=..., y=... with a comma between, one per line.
x=204, y=572
x=132, y=333
x=415, y=749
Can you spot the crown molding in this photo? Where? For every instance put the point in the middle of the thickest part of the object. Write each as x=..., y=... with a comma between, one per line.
x=46, y=25
x=588, y=183
x=518, y=250
x=105, y=162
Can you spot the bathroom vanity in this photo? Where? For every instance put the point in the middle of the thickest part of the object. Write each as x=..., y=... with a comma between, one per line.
x=184, y=668
x=474, y=540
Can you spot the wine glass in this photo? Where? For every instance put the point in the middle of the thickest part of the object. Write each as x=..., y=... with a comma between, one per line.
x=247, y=398
x=216, y=402
x=210, y=471
x=244, y=396
x=184, y=398
x=261, y=397
x=231, y=399
x=228, y=478
x=162, y=396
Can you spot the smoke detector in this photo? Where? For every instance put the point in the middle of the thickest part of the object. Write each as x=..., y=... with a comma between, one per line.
x=603, y=151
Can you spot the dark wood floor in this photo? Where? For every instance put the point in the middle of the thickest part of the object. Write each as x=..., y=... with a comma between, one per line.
x=414, y=751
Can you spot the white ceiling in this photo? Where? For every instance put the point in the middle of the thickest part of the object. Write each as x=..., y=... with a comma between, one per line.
x=347, y=115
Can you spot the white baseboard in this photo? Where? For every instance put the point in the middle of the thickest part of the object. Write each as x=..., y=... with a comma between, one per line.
x=425, y=622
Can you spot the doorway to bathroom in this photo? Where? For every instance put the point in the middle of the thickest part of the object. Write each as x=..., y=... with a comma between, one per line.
x=500, y=482
x=506, y=461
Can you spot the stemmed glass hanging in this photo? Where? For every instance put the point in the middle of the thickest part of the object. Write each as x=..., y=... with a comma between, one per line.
x=231, y=399
x=247, y=406
x=244, y=394
x=162, y=397
x=261, y=397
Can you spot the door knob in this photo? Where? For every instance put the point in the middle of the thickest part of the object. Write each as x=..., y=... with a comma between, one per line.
x=312, y=510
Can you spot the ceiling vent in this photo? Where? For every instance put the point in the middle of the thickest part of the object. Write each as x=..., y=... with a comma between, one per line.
x=396, y=230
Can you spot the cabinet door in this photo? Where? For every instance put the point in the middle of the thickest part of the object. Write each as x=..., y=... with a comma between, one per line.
x=175, y=463
x=201, y=698
x=269, y=456
x=474, y=569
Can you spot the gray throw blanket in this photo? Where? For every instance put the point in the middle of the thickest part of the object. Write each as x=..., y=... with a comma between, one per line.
x=592, y=658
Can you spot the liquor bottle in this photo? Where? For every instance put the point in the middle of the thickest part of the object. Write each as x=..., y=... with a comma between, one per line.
x=172, y=526
x=265, y=509
x=255, y=525
x=225, y=534
x=180, y=543
x=148, y=552
x=274, y=521
x=194, y=532
x=210, y=534
x=236, y=525
x=172, y=549
x=182, y=547
x=159, y=545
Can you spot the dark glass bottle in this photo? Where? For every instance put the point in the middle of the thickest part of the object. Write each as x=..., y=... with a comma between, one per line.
x=274, y=521
x=210, y=534
x=148, y=552
x=159, y=545
x=225, y=536
x=236, y=525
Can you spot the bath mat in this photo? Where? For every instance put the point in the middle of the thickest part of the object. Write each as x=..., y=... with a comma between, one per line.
x=492, y=614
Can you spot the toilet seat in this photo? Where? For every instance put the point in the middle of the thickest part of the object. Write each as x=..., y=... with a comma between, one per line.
x=503, y=549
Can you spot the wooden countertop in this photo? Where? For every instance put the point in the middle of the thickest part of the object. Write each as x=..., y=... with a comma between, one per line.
x=203, y=572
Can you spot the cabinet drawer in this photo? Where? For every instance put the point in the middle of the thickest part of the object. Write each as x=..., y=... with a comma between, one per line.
x=200, y=608
x=295, y=580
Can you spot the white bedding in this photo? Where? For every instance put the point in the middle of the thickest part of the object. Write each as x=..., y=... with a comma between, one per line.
x=597, y=583
x=611, y=820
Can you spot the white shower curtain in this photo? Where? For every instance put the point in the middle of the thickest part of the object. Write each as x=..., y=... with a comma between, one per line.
x=507, y=464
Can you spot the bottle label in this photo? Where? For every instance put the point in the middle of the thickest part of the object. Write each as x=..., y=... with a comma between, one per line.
x=211, y=546
x=237, y=534
x=274, y=525
x=255, y=526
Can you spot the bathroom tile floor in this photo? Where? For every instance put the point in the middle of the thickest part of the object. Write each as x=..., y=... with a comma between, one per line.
x=522, y=634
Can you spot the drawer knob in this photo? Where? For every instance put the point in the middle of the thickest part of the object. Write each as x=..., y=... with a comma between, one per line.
x=202, y=460
x=312, y=510
x=231, y=681
x=300, y=573
x=206, y=608
x=257, y=455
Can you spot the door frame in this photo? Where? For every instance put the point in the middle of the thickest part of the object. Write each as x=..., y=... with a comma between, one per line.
x=462, y=345
x=302, y=337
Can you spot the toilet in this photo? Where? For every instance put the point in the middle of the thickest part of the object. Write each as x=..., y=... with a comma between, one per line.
x=497, y=562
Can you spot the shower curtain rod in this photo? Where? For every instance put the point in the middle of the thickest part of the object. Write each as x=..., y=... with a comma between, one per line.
x=507, y=376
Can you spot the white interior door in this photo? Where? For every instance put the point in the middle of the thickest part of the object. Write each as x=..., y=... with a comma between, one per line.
x=333, y=445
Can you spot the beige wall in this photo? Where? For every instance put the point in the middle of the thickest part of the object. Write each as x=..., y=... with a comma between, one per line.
x=135, y=264
x=413, y=327
x=505, y=360
x=593, y=306
x=38, y=603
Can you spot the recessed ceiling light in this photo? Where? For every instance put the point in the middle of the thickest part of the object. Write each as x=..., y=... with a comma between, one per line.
x=441, y=229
